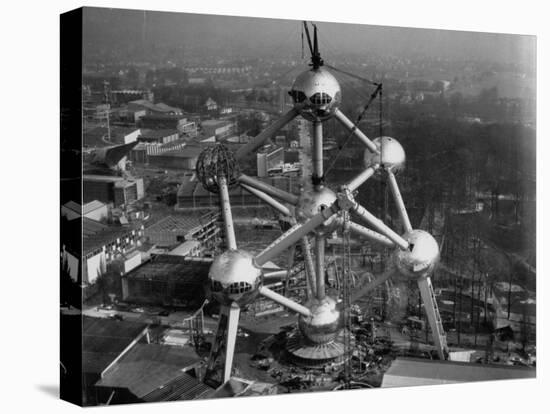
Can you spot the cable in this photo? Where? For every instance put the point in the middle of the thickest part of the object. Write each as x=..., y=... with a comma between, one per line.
x=359, y=118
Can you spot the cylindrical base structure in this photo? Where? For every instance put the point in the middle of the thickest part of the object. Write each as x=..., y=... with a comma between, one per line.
x=303, y=353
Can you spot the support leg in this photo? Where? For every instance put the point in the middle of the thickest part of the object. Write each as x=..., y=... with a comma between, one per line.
x=220, y=361
x=434, y=318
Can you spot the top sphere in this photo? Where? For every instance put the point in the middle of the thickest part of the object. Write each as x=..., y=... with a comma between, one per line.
x=392, y=155
x=214, y=162
x=320, y=93
x=422, y=256
x=234, y=277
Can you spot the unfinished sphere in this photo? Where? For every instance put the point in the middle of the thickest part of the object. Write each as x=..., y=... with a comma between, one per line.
x=320, y=93
x=325, y=321
x=392, y=155
x=214, y=162
x=311, y=202
x=234, y=277
x=420, y=259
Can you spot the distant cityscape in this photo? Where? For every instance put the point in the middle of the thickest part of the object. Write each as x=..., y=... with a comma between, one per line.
x=150, y=230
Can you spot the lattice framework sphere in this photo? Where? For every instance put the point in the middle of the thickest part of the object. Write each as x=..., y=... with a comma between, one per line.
x=214, y=162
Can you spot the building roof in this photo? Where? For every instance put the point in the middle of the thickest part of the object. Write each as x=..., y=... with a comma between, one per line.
x=104, y=339
x=173, y=268
x=92, y=206
x=189, y=151
x=157, y=133
x=96, y=235
x=180, y=224
x=185, y=387
x=413, y=371
x=149, y=367
x=160, y=107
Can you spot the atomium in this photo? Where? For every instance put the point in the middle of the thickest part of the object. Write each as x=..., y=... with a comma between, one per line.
x=420, y=259
x=234, y=277
x=317, y=93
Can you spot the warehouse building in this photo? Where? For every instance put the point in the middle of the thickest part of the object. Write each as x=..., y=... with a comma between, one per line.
x=168, y=280
x=112, y=189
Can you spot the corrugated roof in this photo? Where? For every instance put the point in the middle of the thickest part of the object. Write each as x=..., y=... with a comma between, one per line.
x=173, y=268
x=185, y=387
x=180, y=224
x=147, y=368
x=104, y=339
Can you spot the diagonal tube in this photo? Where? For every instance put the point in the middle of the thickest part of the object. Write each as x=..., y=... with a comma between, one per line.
x=267, y=133
x=358, y=181
x=380, y=280
x=399, y=202
x=229, y=228
x=359, y=230
x=268, y=199
x=268, y=189
x=294, y=234
x=379, y=225
x=284, y=301
x=356, y=131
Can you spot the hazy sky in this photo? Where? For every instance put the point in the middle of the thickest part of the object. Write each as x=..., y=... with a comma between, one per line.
x=116, y=29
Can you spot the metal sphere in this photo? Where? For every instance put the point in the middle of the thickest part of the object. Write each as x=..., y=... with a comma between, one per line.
x=392, y=155
x=319, y=90
x=422, y=256
x=234, y=277
x=312, y=201
x=214, y=162
x=325, y=321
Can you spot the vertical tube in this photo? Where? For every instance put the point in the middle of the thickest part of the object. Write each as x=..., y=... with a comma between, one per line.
x=320, y=265
x=226, y=213
x=310, y=267
x=399, y=202
x=317, y=153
